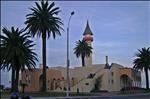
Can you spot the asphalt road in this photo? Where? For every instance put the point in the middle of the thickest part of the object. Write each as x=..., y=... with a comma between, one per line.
x=109, y=96
x=136, y=96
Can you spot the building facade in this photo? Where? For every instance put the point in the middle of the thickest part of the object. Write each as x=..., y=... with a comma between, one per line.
x=100, y=77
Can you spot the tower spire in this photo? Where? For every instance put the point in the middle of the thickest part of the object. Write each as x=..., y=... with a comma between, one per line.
x=87, y=29
x=88, y=38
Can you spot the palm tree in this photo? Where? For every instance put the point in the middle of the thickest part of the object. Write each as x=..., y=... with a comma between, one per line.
x=17, y=53
x=3, y=66
x=82, y=49
x=23, y=85
x=43, y=21
x=142, y=61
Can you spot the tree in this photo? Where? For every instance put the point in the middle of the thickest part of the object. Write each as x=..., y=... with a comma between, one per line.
x=1, y=87
x=43, y=21
x=98, y=84
x=23, y=85
x=82, y=49
x=17, y=53
x=142, y=62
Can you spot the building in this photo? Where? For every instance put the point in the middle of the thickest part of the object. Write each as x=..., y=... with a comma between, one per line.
x=91, y=77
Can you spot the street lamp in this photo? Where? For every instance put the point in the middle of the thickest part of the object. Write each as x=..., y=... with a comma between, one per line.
x=68, y=62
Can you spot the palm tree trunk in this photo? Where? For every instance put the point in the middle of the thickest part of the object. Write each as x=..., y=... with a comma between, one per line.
x=83, y=62
x=23, y=87
x=147, y=79
x=44, y=61
x=17, y=79
x=12, y=79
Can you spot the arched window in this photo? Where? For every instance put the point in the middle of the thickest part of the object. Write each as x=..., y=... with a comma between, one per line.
x=125, y=81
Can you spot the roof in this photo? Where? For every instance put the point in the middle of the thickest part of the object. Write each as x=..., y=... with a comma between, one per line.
x=87, y=29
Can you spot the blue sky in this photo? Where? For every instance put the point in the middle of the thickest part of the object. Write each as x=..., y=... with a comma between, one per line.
x=119, y=29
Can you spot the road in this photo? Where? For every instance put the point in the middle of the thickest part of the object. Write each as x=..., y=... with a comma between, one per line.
x=105, y=96
x=135, y=96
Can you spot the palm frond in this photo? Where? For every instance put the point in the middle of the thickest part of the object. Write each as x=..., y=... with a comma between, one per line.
x=16, y=49
x=142, y=59
x=43, y=20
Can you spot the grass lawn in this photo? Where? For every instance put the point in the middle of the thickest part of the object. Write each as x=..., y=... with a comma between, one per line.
x=134, y=91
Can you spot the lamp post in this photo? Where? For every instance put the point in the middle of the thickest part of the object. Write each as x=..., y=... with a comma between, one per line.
x=68, y=62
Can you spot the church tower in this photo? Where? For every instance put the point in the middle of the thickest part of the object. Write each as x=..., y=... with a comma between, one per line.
x=88, y=38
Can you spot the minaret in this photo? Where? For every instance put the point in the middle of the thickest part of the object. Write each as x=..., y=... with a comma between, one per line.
x=88, y=38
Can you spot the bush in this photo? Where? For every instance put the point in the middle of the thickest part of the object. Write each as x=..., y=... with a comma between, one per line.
x=98, y=90
x=131, y=88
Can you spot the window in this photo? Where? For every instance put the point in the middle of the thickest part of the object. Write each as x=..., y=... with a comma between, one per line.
x=112, y=81
x=112, y=73
x=86, y=83
x=48, y=81
x=28, y=81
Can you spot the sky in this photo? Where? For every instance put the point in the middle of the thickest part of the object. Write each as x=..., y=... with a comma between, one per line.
x=119, y=29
